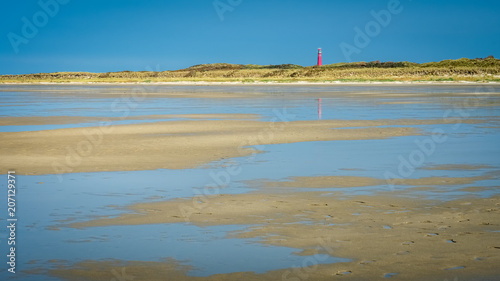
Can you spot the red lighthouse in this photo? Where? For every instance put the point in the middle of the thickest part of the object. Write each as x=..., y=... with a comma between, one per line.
x=320, y=62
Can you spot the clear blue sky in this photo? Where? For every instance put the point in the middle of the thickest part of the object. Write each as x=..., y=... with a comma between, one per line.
x=116, y=35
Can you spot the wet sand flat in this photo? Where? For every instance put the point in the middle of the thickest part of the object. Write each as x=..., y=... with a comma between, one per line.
x=381, y=234
x=186, y=144
x=355, y=181
x=49, y=120
x=393, y=232
x=139, y=199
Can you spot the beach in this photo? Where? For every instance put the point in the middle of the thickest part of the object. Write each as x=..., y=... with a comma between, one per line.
x=224, y=181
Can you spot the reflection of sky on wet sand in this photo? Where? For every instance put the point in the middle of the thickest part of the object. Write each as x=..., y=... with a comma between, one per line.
x=300, y=100
x=206, y=248
x=90, y=195
x=45, y=204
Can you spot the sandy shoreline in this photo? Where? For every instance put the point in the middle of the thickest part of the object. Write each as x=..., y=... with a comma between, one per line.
x=356, y=181
x=251, y=208
x=416, y=238
x=389, y=232
x=297, y=83
x=186, y=144
x=58, y=120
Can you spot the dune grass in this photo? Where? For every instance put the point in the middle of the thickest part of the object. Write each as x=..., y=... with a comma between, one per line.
x=475, y=70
